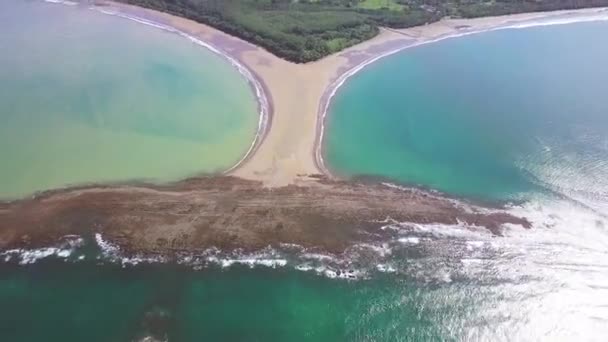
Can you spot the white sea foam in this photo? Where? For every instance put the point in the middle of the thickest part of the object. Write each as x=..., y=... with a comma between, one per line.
x=112, y=252
x=333, y=273
x=344, y=274
x=26, y=256
x=437, y=230
x=267, y=257
x=326, y=265
x=412, y=240
x=152, y=339
x=444, y=276
x=321, y=264
x=475, y=244
x=304, y=267
x=382, y=250
x=62, y=2
x=471, y=261
x=29, y=256
x=291, y=246
x=251, y=262
x=107, y=248
x=562, y=220
x=318, y=256
x=442, y=251
x=560, y=263
x=385, y=268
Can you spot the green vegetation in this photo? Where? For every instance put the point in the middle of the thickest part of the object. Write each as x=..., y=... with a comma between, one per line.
x=381, y=4
x=307, y=30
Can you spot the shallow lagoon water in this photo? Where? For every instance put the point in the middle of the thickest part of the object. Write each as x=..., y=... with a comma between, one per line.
x=87, y=97
x=493, y=116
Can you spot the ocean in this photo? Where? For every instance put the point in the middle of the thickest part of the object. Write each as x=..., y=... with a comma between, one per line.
x=494, y=116
x=513, y=117
x=87, y=97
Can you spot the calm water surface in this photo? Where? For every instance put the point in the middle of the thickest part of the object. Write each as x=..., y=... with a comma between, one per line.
x=495, y=116
x=87, y=97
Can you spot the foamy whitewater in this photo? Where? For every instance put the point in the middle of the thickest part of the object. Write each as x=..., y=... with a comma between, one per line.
x=555, y=272
x=62, y=2
x=458, y=246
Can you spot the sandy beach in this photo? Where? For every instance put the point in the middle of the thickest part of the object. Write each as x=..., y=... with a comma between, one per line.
x=296, y=97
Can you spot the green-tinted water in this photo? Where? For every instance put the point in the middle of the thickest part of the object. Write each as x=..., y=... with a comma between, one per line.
x=493, y=116
x=87, y=97
x=446, y=285
x=83, y=302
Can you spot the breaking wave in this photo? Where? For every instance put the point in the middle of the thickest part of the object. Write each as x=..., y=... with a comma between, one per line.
x=562, y=232
x=525, y=281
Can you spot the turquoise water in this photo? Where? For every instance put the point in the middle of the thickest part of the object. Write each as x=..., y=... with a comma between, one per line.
x=87, y=97
x=493, y=116
x=437, y=284
x=428, y=282
x=88, y=303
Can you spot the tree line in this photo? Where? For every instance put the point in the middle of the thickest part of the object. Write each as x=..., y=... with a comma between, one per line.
x=307, y=30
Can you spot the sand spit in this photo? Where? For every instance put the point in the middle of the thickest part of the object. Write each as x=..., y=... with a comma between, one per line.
x=231, y=213
x=297, y=96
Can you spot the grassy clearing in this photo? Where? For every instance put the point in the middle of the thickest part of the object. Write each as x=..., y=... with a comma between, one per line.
x=391, y=5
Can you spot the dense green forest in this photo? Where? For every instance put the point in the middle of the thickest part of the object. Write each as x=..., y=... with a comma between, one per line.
x=306, y=30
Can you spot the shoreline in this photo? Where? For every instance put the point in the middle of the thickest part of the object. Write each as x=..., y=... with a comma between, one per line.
x=539, y=19
x=294, y=99
x=263, y=99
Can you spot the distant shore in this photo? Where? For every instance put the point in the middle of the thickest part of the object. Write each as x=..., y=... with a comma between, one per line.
x=294, y=99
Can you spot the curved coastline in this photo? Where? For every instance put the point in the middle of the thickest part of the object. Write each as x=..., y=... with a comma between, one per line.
x=255, y=82
x=239, y=200
x=543, y=19
x=288, y=146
